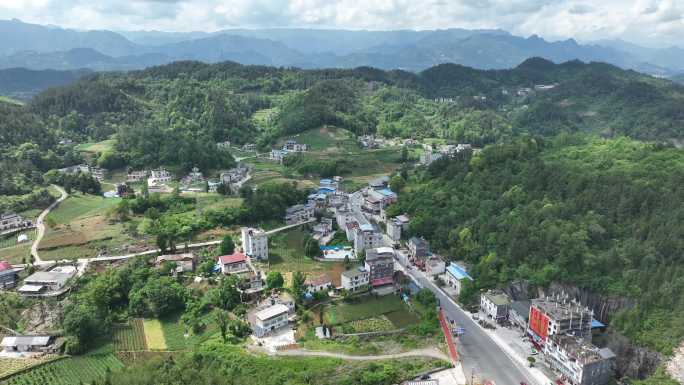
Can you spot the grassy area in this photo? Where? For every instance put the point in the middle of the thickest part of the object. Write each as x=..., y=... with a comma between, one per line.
x=286, y=254
x=95, y=147
x=369, y=307
x=262, y=117
x=175, y=333
x=5, y=99
x=212, y=201
x=14, y=252
x=329, y=139
x=11, y=239
x=73, y=370
x=154, y=335
x=79, y=228
x=130, y=337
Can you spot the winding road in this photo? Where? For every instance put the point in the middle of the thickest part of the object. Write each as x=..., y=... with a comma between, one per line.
x=40, y=225
x=432, y=353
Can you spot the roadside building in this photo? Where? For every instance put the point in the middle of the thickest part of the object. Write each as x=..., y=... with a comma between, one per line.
x=435, y=265
x=366, y=237
x=184, y=262
x=380, y=266
x=519, y=314
x=134, y=176
x=379, y=183
x=454, y=277
x=28, y=344
x=495, y=304
x=578, y=361
x=10, y=221
x=555, y=315
x=396, y=226
x=270, y=319
x=355, y=279
x=233, y=264
x=8, y=277
x=299, y=214
x=44, y=281
x=317, y=283
x=255, y=243
x=418, y=247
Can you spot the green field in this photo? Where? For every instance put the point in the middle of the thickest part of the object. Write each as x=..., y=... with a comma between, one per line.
x=14, y=252
x=79, y=228
x=390, y=305
x=213, y=201
x=286, y=254
x=69, y=371
x=154, y=334
x=331, y=139
x=174, y=333
x=129, y=337
x=95, y=147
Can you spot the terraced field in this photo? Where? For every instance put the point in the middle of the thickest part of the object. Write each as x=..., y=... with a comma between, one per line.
x=130, y=337
x=69, y=371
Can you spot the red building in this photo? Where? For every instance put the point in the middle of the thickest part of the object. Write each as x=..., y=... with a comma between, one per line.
x=550, y=316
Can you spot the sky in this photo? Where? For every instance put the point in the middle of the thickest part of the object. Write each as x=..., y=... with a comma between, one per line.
x=647, y=22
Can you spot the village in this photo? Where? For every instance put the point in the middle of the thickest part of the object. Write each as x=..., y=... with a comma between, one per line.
x=370, y=281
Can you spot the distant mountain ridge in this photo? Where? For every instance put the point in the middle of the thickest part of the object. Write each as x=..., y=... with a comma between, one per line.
x=40, y=47
x=22, y=83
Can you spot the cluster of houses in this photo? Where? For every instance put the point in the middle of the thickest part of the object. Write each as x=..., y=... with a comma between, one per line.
x=561, y=329
x=96, y=172
x=10, y=222
x=290, y=146
x=430, y=154
x=158, y=179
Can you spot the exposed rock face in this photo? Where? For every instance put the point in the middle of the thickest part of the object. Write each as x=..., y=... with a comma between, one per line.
x=633, y=361
x=675, y=367
x=42, y=317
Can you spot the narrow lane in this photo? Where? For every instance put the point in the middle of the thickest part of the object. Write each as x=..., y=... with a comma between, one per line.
x=40, y=224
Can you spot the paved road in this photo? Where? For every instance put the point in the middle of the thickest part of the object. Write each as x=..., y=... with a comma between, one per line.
x=433, y=353
x=40, y=225
x=479, y=353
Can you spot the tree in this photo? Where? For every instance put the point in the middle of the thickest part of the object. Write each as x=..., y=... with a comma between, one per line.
x=274, y=280
x=158, y=297
x=361, y=256
x=298, y=279
x=225, y=295
x=222, y=319
x=312, y=248
x=227, y=245
x=404, y=154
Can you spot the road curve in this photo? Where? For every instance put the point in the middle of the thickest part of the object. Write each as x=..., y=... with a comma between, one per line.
x=40, y=225
x=432, y=353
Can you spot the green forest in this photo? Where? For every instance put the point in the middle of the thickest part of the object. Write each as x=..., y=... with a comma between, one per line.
x=600, y=214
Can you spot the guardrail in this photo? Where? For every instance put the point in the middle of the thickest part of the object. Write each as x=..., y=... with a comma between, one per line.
x=447, y=335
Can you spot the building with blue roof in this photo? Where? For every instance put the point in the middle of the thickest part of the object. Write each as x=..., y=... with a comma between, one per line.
x=455, y=275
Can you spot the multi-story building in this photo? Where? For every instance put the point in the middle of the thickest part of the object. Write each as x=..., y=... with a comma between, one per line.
x=292, y=145
x=366, y=237
x=380, y=266
x=9, y=221
x=395, y=227
x=158, y=177
x=8, y=277
x=455, y=276
x=519, y=313
x=233, y=264
x=435, y=265
x=418, y=247
x=355, y=279
x=495, y=304
x=136, y=176
x=270, y=319
x=255, y=243
x=555, y=315
x=578, y=361
x=299, y=213
x=278, y=155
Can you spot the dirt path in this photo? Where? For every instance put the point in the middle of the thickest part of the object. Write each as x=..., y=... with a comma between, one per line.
x=433, y=353
x=40, y=224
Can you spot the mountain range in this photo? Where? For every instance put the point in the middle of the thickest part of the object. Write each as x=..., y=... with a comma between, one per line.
x=41, y=47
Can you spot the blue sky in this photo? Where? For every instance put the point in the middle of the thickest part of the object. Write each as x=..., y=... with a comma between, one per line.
x=655, y=23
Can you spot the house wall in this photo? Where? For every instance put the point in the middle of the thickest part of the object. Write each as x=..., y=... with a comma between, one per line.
x=263, y=328
x=233, y=267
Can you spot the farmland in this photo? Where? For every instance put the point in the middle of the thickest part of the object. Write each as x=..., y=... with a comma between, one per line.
x=368, y=307
x=154, y=335
x=70, y=370
x=175, y=333
x=130, y=337
x=9, y=366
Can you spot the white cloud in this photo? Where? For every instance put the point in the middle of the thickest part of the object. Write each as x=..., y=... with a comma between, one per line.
x=658, y=22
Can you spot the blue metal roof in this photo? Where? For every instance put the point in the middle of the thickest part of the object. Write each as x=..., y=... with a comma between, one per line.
x=596, y=324
x=387, y=192
x=457, y=272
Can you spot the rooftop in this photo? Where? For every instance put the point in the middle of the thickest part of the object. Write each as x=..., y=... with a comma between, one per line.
x=233, y=258
x=419, y=242
x=581, y=350
x=13, y=341
x=174, y=257
x=271, y=311
x=5, y=266
x=522, y=308
x=561, y=308
x=354, y=273
x=318, y=280
x=403, y=218
x=458, y=272
x=497, y=298
x=48, y=277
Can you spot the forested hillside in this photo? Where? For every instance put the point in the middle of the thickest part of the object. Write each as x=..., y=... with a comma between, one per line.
x=605, y=215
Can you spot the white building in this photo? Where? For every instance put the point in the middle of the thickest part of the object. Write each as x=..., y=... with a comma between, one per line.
x=455, y=275
x=278, y=155
x=299, y=214
x=355, y=279
x=495, y=304
x=318, y=283
x=270, y=319
x=233, y=264
x=10, y=221
x=366, y=237
x=578, y=361
x=158, y=177
x=255, y=243
x=136, y=176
